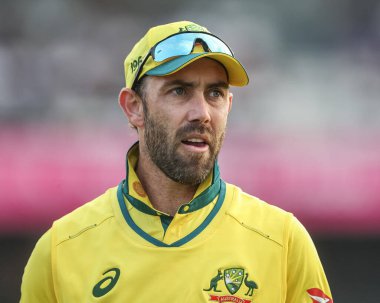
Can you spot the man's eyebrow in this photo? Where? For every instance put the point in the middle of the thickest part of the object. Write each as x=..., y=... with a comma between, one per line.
x=220, y=84
x=175, y=83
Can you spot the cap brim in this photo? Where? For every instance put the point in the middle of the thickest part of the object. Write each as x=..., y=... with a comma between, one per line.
x=237, y=75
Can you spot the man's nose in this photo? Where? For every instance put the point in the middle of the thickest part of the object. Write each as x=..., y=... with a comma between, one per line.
x=199, y=109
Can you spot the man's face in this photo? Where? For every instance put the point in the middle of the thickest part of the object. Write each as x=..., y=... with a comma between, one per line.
x=185, y=116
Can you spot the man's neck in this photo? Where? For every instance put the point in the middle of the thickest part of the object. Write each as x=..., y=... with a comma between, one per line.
x=165, y=194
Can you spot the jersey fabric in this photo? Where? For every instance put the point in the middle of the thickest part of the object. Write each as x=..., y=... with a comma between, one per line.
x=223, y=246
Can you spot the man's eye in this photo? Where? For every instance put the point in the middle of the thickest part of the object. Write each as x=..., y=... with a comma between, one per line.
x=216, y=93
x=179, y=91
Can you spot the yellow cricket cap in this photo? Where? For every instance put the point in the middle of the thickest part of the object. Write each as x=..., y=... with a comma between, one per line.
x=140, y=55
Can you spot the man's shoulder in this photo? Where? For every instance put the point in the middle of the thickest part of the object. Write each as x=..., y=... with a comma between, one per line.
x=85, y=217
x=258, y=215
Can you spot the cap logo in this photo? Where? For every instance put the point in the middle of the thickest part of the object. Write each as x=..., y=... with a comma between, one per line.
x=192, y=28
x=136, y=63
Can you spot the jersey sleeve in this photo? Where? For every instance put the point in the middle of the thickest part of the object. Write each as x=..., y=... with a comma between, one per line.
x=37, y=281
x=306, y=280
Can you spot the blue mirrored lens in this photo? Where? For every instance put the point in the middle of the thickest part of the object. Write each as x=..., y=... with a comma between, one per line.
x=182, y=44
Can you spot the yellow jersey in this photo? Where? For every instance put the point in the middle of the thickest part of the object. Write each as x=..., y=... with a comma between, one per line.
x=222, y=246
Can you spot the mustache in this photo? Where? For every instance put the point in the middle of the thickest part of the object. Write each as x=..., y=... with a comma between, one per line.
x=194, y=127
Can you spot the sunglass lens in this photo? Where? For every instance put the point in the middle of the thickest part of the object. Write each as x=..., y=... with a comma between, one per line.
x=174, y=46
x=182, y=44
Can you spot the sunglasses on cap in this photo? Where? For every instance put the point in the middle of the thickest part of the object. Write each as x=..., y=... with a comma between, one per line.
x=181, y=44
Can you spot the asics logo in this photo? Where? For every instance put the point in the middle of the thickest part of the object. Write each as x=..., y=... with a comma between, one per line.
x=107, y=283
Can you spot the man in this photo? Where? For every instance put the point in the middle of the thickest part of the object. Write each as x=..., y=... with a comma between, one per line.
x=173, y=231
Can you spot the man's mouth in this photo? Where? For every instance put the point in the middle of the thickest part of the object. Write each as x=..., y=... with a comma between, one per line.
x=195, y=142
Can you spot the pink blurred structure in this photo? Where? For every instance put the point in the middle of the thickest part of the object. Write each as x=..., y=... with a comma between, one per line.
x=331, y=184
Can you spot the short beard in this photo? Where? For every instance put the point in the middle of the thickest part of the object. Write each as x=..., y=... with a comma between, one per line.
x=189, y=170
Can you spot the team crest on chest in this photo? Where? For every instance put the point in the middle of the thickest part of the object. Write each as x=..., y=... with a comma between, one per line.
x=238, y=286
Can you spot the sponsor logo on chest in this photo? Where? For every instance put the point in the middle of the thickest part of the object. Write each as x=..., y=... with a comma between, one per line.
x=107, y=283
x=318, y=296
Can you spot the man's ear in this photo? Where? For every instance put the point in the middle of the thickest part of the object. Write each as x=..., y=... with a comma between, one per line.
x=132, y=106
x=230, y=98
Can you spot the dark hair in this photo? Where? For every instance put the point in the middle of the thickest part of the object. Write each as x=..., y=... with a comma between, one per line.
x=139, y=88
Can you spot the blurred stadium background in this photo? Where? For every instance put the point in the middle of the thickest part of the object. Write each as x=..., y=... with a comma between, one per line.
x=304, y=135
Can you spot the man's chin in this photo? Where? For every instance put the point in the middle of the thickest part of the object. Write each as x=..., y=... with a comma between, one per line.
x=192, y=176
x=197, y=170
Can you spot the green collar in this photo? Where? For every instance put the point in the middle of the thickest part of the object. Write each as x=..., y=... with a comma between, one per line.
x=203, y=199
